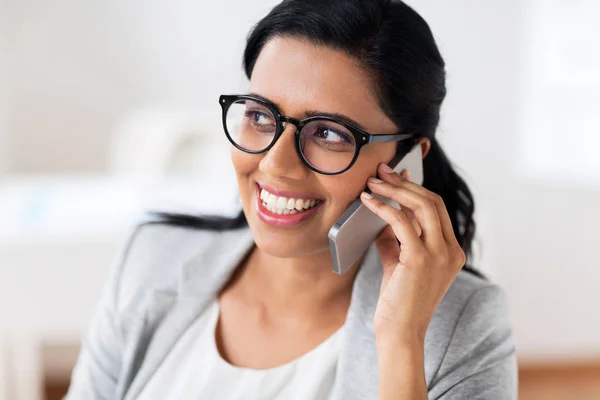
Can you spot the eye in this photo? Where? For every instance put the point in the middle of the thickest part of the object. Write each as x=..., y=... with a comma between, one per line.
x=327, y=134
x=259, y=117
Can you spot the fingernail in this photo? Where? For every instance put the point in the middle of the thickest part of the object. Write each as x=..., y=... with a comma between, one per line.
x=375, y=180
x=366, y=195
x=385, y=168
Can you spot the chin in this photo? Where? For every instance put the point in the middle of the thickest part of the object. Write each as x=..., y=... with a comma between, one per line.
x=287, y=243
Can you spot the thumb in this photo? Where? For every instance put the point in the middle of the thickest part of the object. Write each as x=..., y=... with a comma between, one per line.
x=388, y=248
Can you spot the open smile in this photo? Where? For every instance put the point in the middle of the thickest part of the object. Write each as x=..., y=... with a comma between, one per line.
x=284, y=208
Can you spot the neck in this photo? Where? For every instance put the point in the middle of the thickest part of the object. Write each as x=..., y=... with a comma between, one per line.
x=302, y=285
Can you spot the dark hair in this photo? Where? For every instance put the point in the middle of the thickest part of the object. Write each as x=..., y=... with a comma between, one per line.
x=396, y=47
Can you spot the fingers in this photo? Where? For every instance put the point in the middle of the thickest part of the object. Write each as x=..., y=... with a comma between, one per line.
x=415, y=223
x=424, y=209
x=388, y=248
x=398, y=220
x=442, y=211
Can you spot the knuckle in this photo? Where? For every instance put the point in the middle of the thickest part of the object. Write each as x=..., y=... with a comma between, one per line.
x=437, y=199
x=380, y=206
x=459, y=257
x=463, y=257
x=375, y=202
x=458, y=250
x=401, y=217
x=429, y=202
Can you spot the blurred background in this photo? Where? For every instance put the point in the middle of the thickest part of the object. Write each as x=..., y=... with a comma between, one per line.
x=108, y=109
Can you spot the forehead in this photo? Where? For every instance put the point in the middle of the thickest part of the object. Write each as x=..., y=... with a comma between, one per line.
x=301, y=76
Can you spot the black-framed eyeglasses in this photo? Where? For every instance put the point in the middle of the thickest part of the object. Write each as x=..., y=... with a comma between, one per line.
x=325, y=145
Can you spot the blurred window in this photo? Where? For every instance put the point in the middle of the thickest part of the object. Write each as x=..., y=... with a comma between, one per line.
x=560, y=137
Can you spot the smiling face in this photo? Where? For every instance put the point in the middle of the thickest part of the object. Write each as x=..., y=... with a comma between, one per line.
x=301, y=78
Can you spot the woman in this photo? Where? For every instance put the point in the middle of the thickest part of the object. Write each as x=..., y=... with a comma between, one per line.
x=250, y=308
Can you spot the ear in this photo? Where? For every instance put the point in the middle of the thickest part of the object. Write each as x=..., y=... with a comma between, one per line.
x=425, y=146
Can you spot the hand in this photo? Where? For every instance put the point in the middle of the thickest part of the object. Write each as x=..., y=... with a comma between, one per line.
x=417, y=272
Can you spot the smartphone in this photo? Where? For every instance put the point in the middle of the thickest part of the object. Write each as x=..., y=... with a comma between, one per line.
x=358, y=227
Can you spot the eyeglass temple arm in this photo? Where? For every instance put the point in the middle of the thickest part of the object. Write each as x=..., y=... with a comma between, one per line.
x=394, y=137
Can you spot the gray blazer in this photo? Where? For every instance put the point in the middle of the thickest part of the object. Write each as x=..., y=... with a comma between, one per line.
x=168, y=274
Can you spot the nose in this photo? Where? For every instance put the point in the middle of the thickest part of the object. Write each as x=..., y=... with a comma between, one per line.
x=282, y=160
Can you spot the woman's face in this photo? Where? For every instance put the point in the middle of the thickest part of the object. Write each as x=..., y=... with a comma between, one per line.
x=302, y=78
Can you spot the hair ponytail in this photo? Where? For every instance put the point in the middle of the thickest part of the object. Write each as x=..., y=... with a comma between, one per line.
x=441, y=178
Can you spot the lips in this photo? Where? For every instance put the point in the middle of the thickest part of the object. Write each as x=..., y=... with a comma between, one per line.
x=284, y=208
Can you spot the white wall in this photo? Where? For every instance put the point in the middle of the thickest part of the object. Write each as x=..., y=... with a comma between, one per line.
x=81, y=66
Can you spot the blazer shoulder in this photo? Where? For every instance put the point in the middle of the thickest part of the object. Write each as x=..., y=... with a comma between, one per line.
x=463, y=289
x=474, y=312
x=152, y=260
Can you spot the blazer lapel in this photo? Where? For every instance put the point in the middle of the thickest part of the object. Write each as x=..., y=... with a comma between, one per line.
x=171, y=313
x=357, y=372
x=139, y=337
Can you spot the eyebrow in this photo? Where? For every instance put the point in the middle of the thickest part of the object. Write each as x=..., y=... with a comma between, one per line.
x=314, y=113
x=339, y=117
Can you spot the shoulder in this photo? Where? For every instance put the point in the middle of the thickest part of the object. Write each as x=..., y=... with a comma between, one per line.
x=142, y=286
x=156, y=250
x=470, y=295
x=469, y=332
x=471, y=299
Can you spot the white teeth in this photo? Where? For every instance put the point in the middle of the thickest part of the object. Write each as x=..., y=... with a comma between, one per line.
x=291, y=204
x=281, y=202
x=272, y=201
x=284, y=206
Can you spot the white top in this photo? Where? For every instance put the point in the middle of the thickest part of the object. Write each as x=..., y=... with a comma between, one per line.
x=194, y=369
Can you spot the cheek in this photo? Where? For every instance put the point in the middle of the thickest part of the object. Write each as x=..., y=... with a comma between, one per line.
x=345, y=188
x=244, y=163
